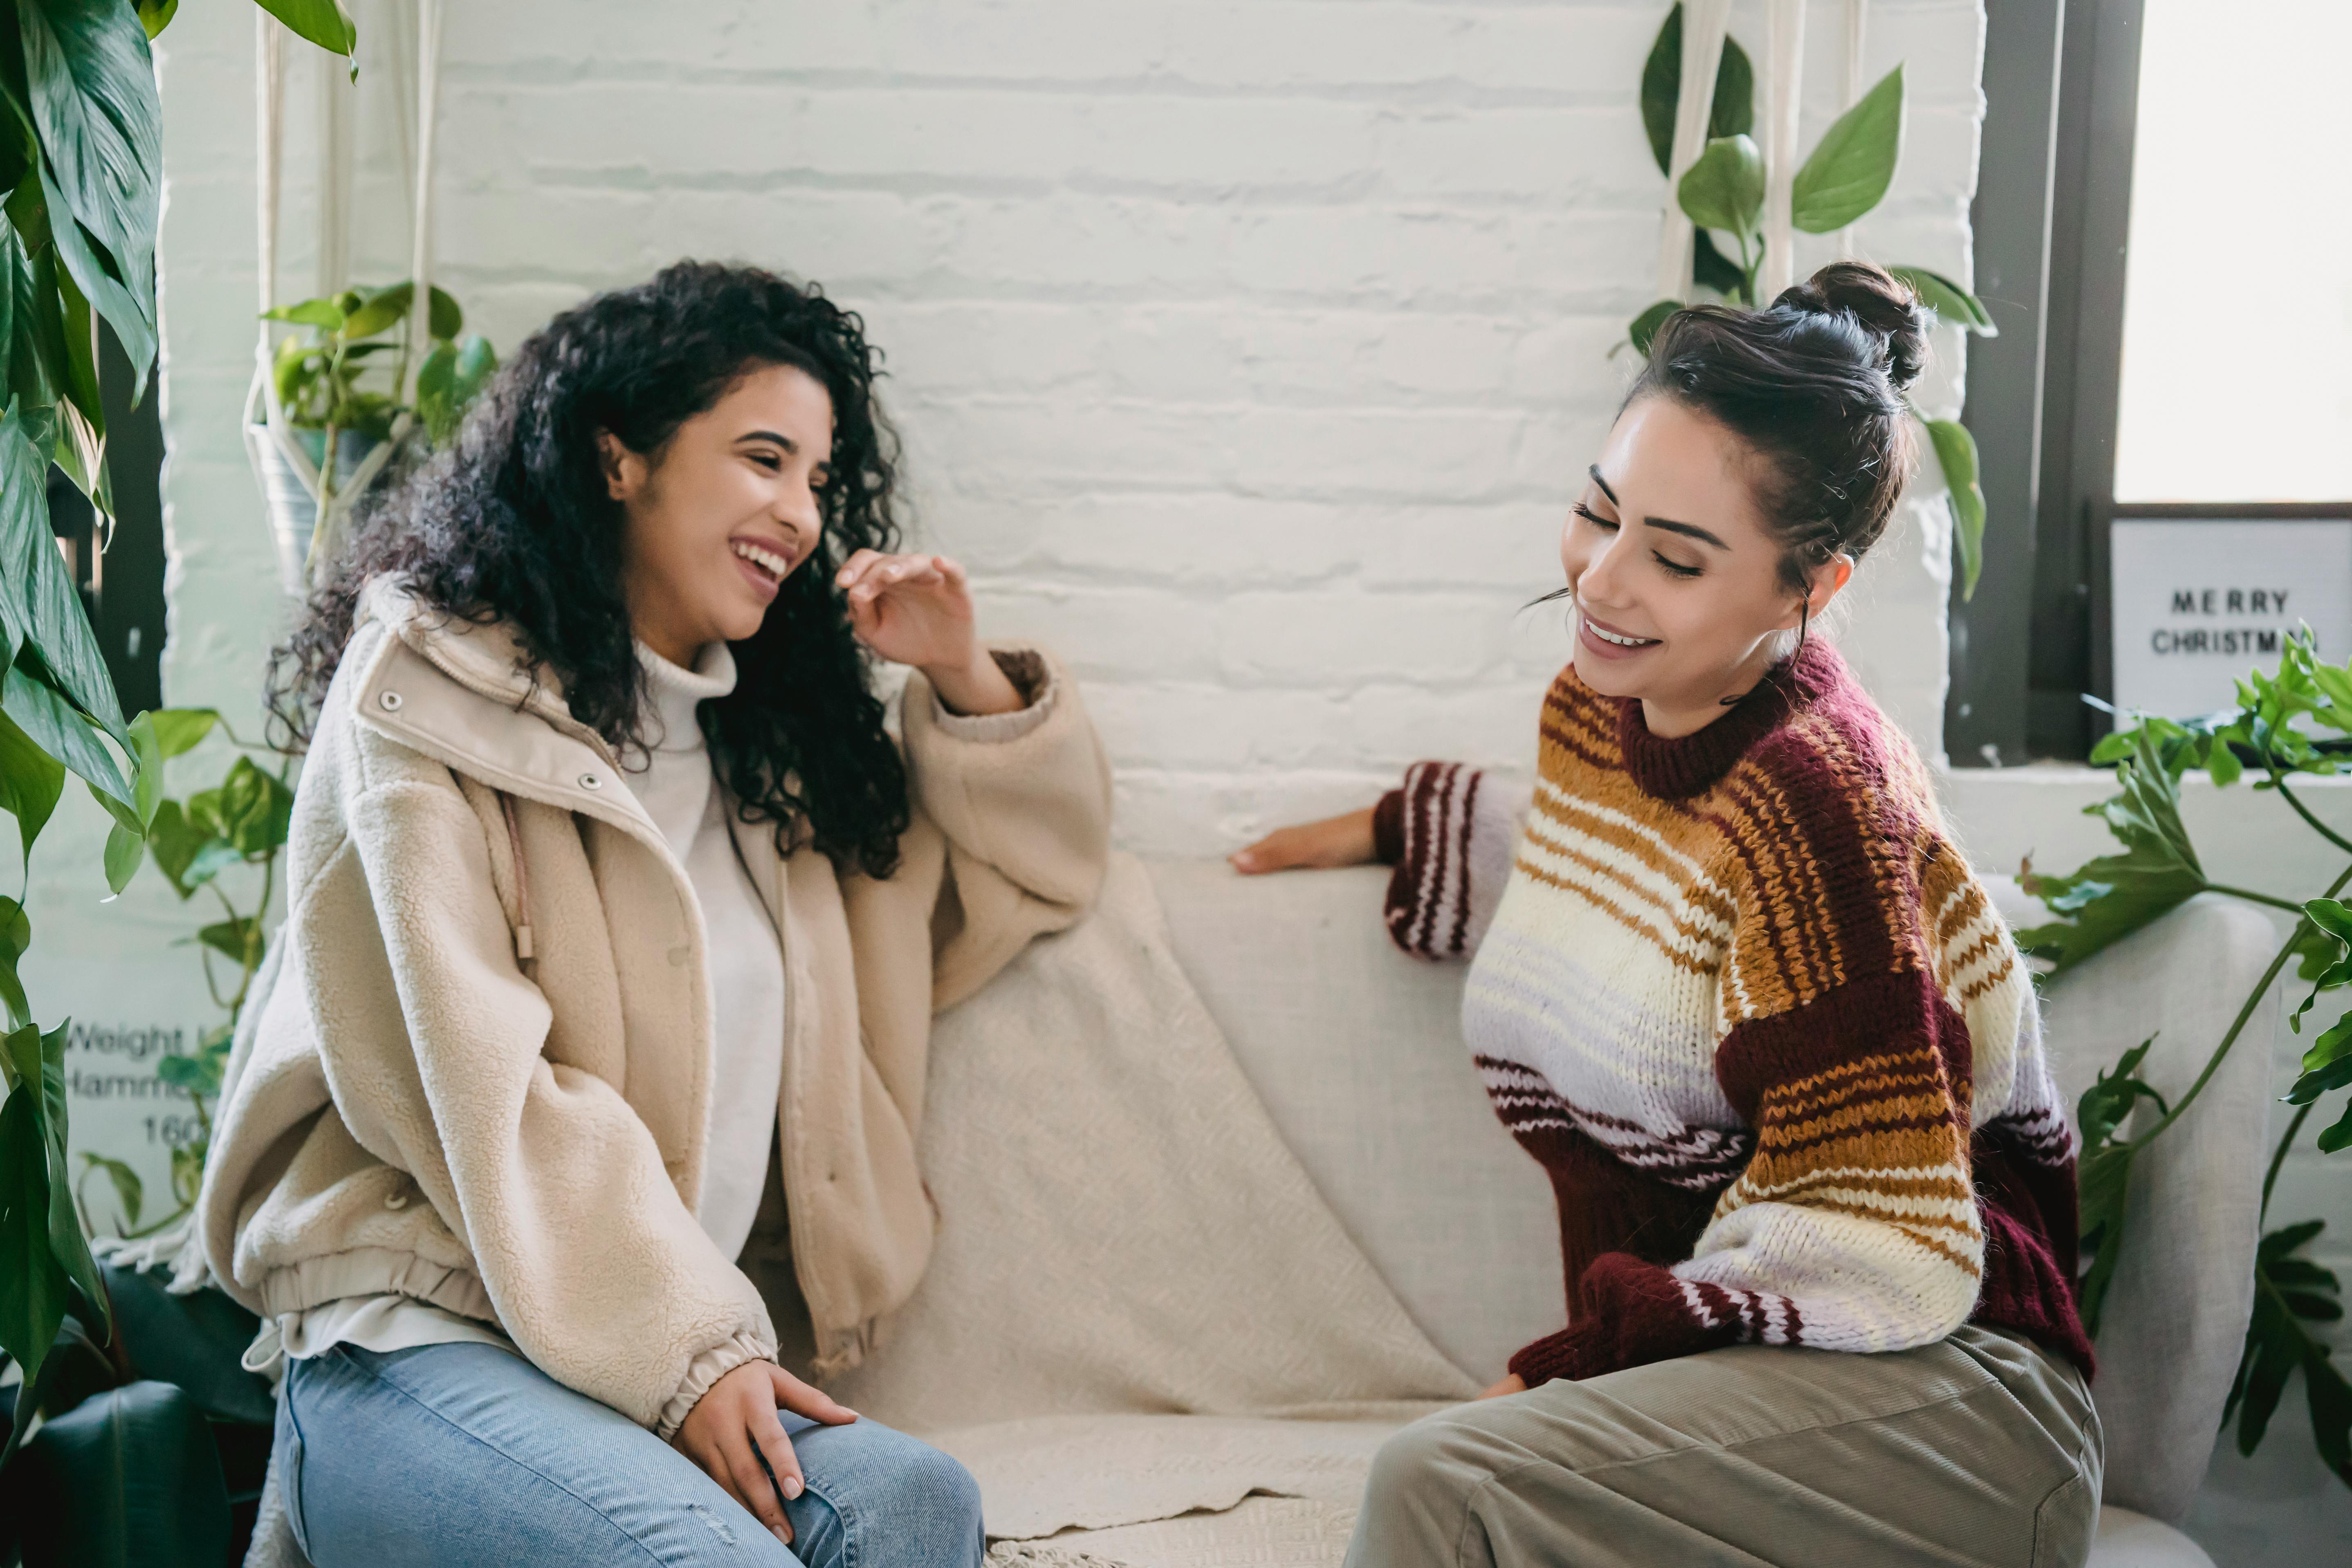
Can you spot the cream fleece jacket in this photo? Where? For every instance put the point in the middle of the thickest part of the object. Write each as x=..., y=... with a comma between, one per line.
x=411, y=1106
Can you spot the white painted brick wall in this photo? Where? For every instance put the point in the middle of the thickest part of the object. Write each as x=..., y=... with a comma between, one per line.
x=1245, y=353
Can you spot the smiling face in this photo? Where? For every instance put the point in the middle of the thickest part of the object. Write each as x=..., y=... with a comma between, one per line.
x=723, y=512
x=1680, y=600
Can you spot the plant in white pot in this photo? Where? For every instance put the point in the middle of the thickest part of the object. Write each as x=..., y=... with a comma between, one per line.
x=344, y=387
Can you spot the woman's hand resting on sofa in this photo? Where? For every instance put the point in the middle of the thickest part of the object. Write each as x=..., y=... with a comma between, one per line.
x=734, y=1426
x=1317, y=845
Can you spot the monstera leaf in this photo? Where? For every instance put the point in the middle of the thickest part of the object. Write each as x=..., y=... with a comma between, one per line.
x=2115, y=895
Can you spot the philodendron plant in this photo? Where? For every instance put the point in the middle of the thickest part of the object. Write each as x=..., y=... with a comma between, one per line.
x=1846, y=174
x=81, y=167
x=2270, y=736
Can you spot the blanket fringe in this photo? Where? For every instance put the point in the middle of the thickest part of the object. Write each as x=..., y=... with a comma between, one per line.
x=177, y=1248
x=1037, y=1554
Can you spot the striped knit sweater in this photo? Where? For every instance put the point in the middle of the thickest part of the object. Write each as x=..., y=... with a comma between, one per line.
x=1744, y=1001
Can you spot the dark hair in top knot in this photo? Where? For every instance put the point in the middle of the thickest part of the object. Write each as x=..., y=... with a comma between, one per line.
x=511, y=521
x=1814, y=385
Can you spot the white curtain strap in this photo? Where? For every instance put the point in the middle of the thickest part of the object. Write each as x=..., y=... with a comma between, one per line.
x=1784, y=66
x=1857, y=17
x=1705, y=22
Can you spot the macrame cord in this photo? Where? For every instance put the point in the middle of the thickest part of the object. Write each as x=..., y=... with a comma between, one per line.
x=264, y=414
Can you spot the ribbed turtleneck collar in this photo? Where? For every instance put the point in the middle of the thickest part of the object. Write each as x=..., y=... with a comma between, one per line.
x=1685, y=765
x=673, y=694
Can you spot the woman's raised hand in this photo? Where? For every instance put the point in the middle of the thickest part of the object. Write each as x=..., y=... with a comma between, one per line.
x=733, y=1429
x=1334, y=841
x=916, y=609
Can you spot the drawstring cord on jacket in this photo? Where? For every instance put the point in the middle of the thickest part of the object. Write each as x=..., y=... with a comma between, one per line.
x=521, y=879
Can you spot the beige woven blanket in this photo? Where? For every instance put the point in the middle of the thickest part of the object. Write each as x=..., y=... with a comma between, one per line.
x=1129, y=1259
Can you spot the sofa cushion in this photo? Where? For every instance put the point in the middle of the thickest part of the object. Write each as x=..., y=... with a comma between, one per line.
x=1357, y=1051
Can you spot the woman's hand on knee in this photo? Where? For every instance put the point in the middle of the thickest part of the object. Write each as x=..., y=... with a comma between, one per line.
x=1334, y=841
x=734, y=1434
x=1512, y=1382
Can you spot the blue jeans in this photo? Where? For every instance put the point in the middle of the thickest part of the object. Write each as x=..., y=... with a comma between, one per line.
x=456, y=1454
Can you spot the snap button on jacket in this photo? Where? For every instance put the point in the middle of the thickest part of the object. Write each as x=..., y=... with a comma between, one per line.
x=549, y=1111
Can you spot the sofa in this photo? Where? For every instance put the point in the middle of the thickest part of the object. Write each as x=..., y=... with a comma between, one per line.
x=1354, y=1050
x=1224, y=1205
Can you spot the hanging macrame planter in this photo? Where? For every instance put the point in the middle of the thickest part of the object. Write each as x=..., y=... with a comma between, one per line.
x=308, y=499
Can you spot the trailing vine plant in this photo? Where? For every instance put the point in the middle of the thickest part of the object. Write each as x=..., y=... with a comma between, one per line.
x=238, y=825
x=1846, y=174
x=2268, y=737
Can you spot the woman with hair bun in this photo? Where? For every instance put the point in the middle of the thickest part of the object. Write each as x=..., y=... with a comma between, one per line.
x=1737, y=990
x=617, y=924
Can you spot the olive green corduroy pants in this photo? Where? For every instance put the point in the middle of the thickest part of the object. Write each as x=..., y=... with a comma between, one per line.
x=1981, y=1449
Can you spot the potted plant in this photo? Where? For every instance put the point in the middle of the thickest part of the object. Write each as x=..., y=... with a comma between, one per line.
x=344, y=387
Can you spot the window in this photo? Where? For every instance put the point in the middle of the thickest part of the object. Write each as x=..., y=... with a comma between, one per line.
x=2238, y=280
x=2160, y=239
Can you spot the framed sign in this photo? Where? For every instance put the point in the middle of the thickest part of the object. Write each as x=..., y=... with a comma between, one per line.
x=2197, y=602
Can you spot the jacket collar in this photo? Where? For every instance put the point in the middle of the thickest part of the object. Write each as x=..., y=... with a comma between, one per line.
x=460, y=692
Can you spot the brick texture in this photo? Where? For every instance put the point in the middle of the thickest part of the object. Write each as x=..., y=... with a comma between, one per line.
x=1246, y=352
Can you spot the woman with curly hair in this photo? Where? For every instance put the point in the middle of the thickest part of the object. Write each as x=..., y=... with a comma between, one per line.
x=616, y=922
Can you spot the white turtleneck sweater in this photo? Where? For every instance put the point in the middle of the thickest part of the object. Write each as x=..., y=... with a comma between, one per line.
x=675, y=784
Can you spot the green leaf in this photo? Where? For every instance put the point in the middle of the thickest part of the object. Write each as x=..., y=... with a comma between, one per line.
x=2104, y=1105
x=2103, y=1185
x=122, y=850
x=81, y=362
x=1643, y=327
x=324, y=314
x=16, y=936
x=1732, y=113
x=67, y=1242
x=323, y=21
x=1948, y=299
x=129, y=1191
x=1854, y=162
x=2115, y=895
x=155, y=15
x=177, y=845
x=178, y=729
x=2289, y=1292
x=251, y=809
x=2326, y=1065
x=38, y=600
x=2336, y=1139
x=380, y=311
x=238, y=940
x=91, y=80
x=199, y=1075
x=65, y=734
x=30, y=783
x=1725, y=189
x=446, y=319
x=32, y=1283
x=1710, y=269
x=143, y=1479
x=1956, y=454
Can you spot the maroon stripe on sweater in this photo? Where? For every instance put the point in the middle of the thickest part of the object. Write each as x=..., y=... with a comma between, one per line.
x=1461, y=933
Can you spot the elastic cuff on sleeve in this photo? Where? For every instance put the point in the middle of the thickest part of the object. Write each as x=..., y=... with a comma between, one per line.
x=1031, y=676
x=701, y=1373
x=1388, y=828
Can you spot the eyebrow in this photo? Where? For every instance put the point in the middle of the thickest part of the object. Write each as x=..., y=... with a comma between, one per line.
x=1689, y=530
x=786, y=442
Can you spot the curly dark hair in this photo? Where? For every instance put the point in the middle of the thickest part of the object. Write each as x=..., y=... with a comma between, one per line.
x=512, y=523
